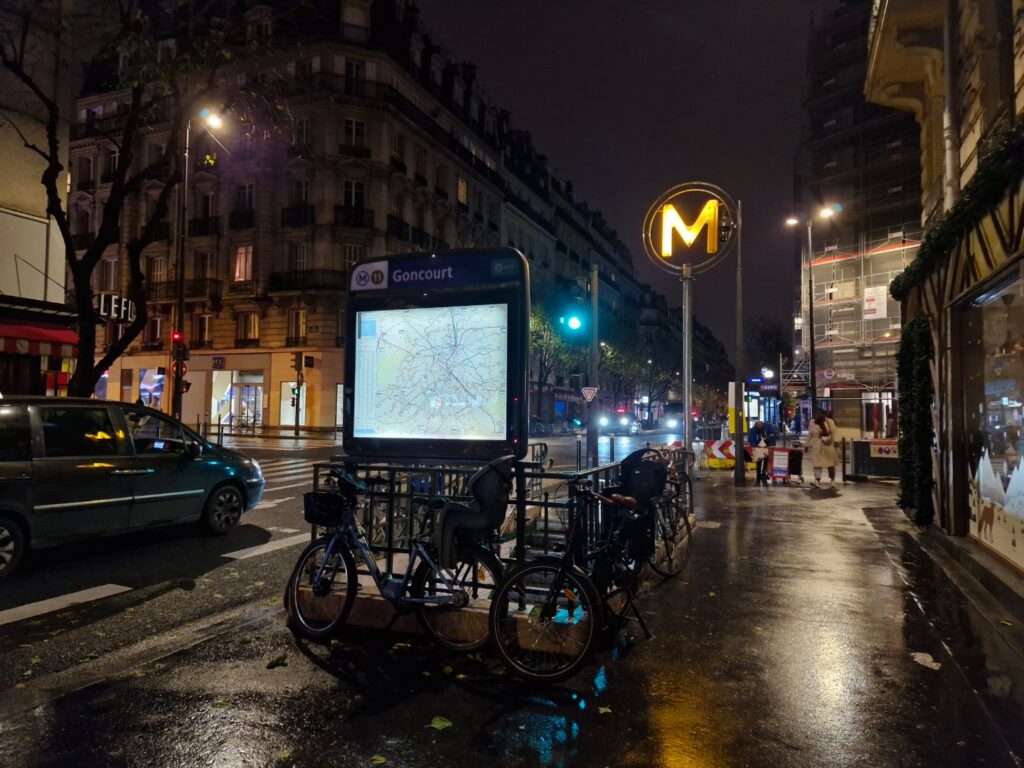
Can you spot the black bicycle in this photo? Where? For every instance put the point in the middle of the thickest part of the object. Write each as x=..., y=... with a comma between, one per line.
x=548, y=615
x=451, y=574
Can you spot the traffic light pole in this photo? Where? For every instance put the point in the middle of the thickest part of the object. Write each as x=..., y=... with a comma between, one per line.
x=592, y=368
x=298, y=389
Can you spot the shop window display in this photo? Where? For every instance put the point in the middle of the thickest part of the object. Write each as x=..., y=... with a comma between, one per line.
x=992, y=345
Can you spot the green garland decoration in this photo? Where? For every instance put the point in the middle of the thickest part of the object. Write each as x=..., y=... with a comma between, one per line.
x=913, y=363
x=1001, y=168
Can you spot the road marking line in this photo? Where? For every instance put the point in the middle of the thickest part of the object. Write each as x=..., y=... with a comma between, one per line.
x=285, y=487
x=282, y=530
x=270, y=546
x=31, y=610
x=269, y=503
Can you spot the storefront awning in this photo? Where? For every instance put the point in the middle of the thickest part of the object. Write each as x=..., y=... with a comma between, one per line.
x=29, y=339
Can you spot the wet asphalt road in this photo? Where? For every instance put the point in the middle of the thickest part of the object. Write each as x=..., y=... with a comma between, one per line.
x=810, y=629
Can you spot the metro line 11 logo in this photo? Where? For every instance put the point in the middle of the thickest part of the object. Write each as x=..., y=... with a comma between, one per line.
x=690, y=227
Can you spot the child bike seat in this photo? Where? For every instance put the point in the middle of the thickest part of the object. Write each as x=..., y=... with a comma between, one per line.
x=489, y=487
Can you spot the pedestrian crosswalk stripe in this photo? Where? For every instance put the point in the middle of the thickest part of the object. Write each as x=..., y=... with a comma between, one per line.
x=270, y=546
x=31, y=610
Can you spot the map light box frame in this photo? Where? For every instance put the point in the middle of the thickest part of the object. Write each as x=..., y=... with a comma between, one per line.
x=394, y=288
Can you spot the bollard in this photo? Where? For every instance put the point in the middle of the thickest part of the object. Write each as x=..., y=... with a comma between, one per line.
x=611, y=449
x=843, y=460
x=579, y=452
x=220, y=429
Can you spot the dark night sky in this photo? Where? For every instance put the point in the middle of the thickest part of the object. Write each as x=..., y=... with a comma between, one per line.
x=629, y=97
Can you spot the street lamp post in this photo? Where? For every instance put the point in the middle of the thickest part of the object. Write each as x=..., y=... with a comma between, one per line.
x=825, y=213
x=179, y=351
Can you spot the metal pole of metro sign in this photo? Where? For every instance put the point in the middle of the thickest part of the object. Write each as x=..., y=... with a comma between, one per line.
x=592, y=368
x=739, y=472
x=686, y=278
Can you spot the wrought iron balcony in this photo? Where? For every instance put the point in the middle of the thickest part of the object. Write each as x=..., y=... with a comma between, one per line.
x=204, y=226
x=419, y=180
x=201, y=344
x=152, y=346
x=241, y=286
x=441, y=192
x=82, y=240
x=243, y=219
x=298, y=216
x=86, y=185
x=246, y=343
x=354, y=150
x=349, y=216
x=397, y=228
x=197, y=288
x=397, y=164
x=308, y=280
x=295, y=341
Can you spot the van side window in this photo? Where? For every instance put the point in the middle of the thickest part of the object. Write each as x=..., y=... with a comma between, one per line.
x=15, y=433
x=154, y=434
x=78, y=432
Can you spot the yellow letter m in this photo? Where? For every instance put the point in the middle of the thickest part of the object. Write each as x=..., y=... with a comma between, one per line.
x=671, y=222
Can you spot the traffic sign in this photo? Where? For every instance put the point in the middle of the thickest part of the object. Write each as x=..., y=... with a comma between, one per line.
x=829, y=373
x=589, y=393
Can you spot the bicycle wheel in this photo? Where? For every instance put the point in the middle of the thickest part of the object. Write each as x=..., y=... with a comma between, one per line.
x=316, y=609
x=463, y=626
x=545, y=619
x=674, y=540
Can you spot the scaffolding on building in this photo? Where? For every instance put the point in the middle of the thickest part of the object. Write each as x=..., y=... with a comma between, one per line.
x=857, y=324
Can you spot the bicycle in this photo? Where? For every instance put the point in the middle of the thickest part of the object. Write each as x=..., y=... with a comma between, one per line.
x=547, y=616
x=673, y=532
x=450, y=569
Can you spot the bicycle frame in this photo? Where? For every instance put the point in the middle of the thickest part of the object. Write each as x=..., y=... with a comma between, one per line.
x=348, y=536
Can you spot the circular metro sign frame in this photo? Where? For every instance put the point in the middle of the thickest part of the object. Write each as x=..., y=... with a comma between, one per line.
x=698, y=214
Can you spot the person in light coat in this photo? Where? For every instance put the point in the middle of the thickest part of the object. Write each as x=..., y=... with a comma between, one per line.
x=821, y=441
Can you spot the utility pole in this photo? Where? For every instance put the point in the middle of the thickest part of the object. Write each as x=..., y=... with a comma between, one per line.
x=592, y=368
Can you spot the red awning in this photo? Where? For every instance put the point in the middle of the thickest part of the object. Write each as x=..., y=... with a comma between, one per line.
x=29, y=339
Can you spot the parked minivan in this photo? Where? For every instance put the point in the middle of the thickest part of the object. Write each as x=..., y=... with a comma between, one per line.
x=73, y=468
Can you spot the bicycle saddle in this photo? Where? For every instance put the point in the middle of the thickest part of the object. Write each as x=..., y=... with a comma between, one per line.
x=489, y=487
x=624, y=501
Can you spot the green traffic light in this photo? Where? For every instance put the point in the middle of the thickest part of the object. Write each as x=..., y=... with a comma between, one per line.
x=575, y=323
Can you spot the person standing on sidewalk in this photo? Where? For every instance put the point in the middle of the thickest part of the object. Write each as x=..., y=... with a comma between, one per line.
x=762, y=437
x=822, y=443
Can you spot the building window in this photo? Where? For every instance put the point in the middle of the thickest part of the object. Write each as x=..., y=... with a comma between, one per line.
x=991, y=367
x=298, y=256
x=398, y=146
x=202, y=328
x=303, y=132
x=154, y=329
x=396, y=204
x=243, y=263
x=463, y=191
x=421, y=162
x=156, y=151
x=355, y=76
x=248, y=326
x=165, y=51
x=355, y=132
x=260, y=29
x=354, y=194
x=304, y=69
x=351, y=254
x=156, y=269
x=201, y=265
x=297, y=323
x=84, y=169
x=112, y=334
x=442, y=177
x=123, y=61
x=113, y=156
x=245, y=197
x=206, y=205
x=107, y=275
x=298, y=191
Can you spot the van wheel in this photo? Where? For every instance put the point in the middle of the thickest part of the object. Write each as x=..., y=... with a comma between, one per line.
x=223, y=509
x=12, y=545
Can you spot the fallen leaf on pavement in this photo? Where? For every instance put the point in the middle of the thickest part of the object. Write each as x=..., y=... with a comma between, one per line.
x=448, y=670
x=1006, y=623
x=604, y=710
x=378, y=759
x=220, y=704
x=440, y=723
x=284, y=754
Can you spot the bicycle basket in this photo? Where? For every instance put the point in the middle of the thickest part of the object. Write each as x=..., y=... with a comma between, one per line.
x=324, y=508
x=644, y=480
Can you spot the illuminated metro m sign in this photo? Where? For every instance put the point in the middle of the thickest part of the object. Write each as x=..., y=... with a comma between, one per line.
x=690, y=227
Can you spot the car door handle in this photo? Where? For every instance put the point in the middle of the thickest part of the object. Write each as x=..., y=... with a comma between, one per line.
x=147, y=471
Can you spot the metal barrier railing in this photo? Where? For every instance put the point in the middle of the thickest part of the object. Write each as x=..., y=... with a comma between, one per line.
x=539, y=514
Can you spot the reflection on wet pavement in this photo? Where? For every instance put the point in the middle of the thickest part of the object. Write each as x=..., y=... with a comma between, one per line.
x=789, y=641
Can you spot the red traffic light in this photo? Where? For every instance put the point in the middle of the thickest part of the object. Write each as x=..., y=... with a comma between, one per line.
x=177, y=337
